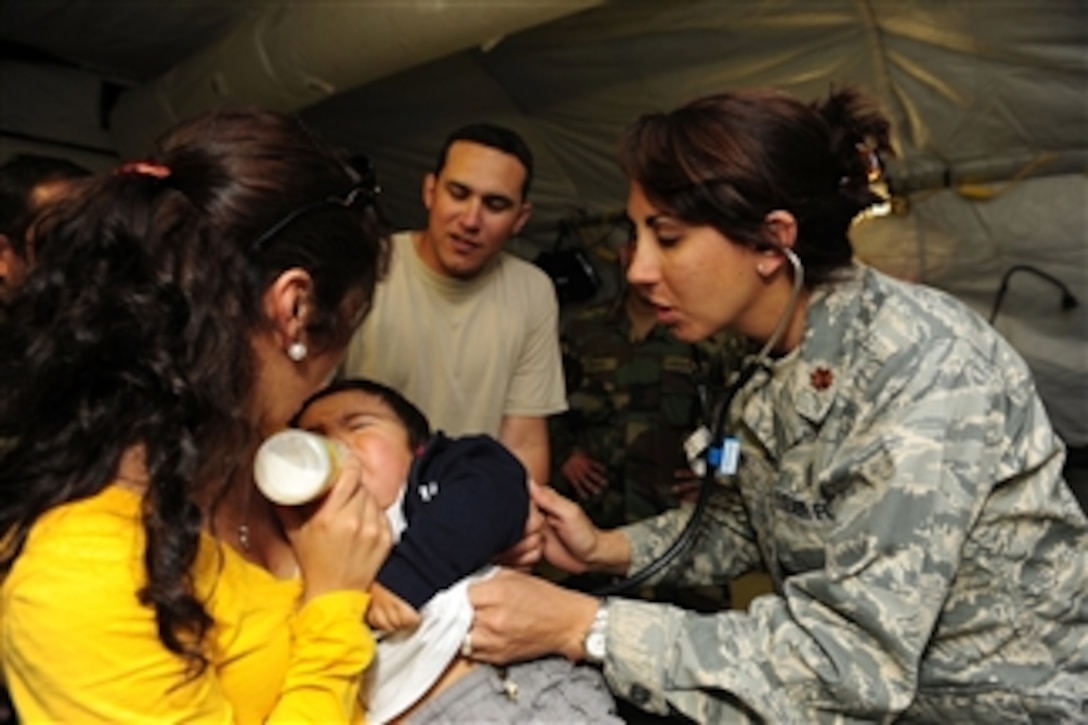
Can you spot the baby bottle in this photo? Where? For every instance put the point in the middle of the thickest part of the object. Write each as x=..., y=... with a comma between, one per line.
x=294, y=466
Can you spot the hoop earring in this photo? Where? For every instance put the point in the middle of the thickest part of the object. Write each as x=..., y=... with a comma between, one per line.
x=297, y=351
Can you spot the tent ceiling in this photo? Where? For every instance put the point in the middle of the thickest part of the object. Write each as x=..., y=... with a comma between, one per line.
x=291, y=55
x=988, y=99
x=129, y=42
x=955, y=76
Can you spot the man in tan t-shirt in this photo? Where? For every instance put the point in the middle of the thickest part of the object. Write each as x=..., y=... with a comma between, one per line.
x=464, y=329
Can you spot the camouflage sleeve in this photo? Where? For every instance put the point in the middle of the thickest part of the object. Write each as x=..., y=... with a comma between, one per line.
x=841, y=641
x=563, y=427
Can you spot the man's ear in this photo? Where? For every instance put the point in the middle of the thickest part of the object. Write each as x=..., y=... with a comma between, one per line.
x=524, y=213
x=287, y=304
x=430, y=183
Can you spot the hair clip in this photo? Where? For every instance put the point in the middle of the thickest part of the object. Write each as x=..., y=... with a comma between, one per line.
x=869, y=157
x=143, y=168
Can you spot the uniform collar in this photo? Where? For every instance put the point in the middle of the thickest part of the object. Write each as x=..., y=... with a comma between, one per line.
x=804, y=384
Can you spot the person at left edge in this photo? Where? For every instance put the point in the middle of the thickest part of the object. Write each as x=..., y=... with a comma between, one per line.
x=28, y=182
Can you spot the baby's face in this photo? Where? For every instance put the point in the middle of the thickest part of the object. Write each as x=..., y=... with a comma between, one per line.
x=368, y=427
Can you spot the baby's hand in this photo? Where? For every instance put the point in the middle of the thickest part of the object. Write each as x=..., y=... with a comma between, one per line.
x=388, y=612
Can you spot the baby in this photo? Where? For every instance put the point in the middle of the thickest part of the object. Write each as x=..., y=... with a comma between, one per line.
x=456, y=503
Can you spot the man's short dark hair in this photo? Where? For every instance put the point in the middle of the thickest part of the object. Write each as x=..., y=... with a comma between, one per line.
x=19, y=176
x=499, y=138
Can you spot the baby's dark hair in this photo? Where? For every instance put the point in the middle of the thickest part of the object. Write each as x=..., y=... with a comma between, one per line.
x=729, y=159
x=413, y=419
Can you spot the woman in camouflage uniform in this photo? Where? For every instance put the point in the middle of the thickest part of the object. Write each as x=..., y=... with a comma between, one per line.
x=898, y=477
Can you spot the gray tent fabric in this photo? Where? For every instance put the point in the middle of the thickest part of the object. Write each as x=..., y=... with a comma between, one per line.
x=988, y=99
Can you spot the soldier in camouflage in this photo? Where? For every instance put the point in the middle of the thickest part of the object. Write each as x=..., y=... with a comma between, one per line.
x=633, y=397
x=898, y=476
x=903, y=487
x=633, y=394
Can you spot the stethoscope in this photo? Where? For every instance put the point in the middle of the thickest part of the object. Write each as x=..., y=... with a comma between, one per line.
x=722, y=454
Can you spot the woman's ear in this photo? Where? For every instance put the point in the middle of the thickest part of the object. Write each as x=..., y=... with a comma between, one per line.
x=782, y=227
x=781, y=231
x=287, y=306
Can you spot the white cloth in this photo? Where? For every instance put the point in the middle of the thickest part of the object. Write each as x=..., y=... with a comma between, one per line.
x=408, y=663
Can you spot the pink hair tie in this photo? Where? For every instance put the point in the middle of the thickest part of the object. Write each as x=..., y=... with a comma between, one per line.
x=143, y=168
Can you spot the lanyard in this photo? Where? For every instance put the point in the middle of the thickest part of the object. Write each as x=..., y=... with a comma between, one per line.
x=723, y=448
x=721, y=454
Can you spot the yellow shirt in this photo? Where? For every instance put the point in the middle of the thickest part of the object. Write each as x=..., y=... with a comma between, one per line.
x=77, y=645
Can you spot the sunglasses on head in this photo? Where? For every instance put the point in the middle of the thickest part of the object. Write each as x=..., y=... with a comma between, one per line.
x=364, y=191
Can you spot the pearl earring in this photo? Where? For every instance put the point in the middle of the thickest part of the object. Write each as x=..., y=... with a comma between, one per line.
x=297, y=351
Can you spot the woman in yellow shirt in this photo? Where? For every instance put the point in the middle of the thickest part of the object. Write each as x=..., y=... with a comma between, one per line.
x=175, y=316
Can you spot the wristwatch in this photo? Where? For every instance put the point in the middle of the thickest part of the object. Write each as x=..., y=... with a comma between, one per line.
x=595, y=643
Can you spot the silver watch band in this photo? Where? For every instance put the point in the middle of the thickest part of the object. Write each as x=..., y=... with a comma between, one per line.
x=595, y=642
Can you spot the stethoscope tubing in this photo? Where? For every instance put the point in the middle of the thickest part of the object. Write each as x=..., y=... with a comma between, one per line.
x=762, y=361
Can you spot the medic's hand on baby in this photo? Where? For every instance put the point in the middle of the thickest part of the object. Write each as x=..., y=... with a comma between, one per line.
x=569, y=537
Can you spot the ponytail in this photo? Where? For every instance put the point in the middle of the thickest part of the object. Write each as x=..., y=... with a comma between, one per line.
x=104, y=332
x=133, y=332
x=858, y=136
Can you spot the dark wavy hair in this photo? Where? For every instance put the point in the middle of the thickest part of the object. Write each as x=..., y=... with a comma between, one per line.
x=727, y=160
x=135, y=327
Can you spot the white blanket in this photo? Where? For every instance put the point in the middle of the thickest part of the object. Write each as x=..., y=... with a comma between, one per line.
x=408, y=663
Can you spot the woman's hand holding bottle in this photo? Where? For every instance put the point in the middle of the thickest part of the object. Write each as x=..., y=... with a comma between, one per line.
x=341, y=539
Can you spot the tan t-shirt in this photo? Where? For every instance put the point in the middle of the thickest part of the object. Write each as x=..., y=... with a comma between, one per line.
x=467, y=352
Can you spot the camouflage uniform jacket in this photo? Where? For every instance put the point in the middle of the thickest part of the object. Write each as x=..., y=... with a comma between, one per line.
x=631, y=403
x=902, y=484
